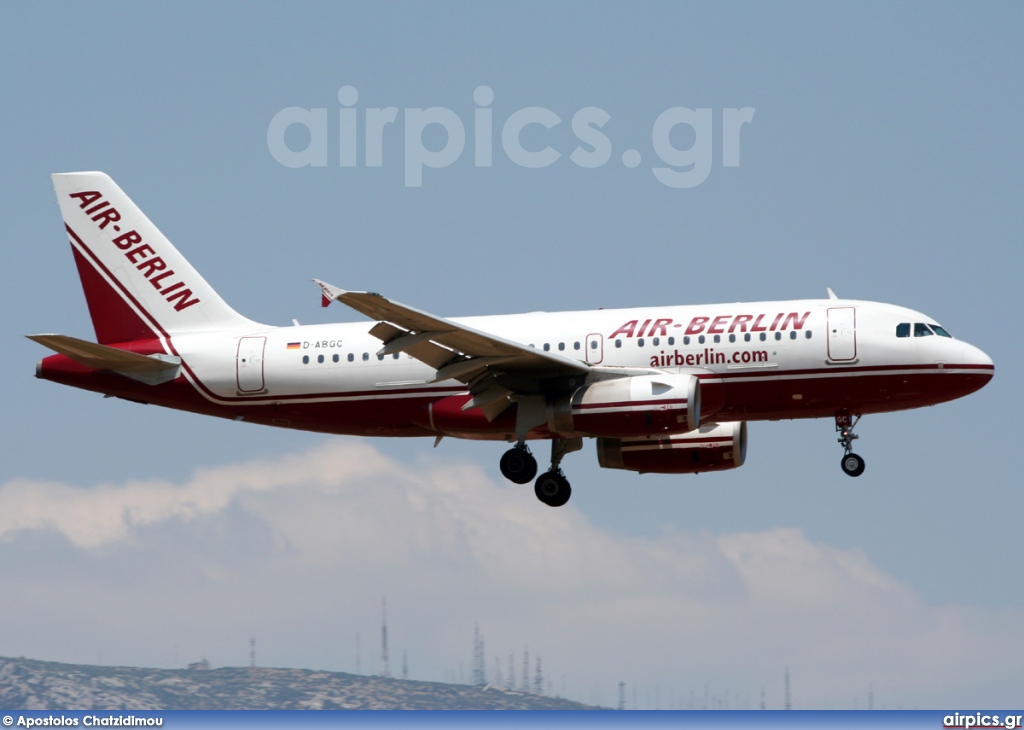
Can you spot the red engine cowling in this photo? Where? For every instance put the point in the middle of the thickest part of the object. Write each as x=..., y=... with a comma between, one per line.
x=631, y=406
x=713, y=447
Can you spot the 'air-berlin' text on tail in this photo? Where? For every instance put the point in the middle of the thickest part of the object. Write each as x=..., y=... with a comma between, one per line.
x=136, y=282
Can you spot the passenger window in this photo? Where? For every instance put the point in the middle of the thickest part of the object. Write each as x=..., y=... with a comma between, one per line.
x=903, y=329
x=320, y=358
x=807, y=334
x=618, y=343
x=778, y=335
x=351, y=357
x=547, y=347
x=671, y=340
x=718, y=338
x=940, y=331
x=366, y=356
x=701, y=339
x=921, y=330
x=686, y=339
x=335, y=358
x=764, y=336
x=395, y=356
x=746, y=337
x=305, y=359
x=792, y=335
x=593, y=344
x=655, y=341
x=576, y=345
x=732, y=338
x=640, y=342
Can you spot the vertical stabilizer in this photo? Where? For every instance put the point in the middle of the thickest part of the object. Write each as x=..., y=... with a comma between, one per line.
x=136, y=282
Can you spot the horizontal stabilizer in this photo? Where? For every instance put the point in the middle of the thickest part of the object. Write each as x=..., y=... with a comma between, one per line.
x=150, y=369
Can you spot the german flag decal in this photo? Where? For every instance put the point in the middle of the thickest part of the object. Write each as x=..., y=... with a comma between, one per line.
x=294, y=345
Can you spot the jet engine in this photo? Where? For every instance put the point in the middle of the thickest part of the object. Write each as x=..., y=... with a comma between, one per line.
x=630, y=406
x=712, y=447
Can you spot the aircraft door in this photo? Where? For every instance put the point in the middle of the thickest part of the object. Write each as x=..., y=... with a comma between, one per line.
x=250, y=363
x=595, y=349
x=842, y=333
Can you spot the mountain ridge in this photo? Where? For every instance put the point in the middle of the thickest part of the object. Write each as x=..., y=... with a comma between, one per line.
x=30, y=684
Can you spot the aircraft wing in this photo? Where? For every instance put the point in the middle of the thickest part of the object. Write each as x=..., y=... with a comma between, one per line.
x=494, y=368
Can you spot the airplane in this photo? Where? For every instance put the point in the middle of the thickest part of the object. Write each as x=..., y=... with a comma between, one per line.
x=665, y=389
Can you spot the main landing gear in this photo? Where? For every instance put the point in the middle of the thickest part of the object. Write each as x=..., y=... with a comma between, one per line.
x=518, y=465
x=552, y=488
x=851, y=463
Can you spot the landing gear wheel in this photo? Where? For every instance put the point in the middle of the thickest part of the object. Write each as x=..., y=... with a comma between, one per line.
x=552, y=489
x=853, y=465
x=518, y=465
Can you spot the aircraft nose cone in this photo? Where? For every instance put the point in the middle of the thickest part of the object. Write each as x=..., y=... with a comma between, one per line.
x=975, y=357
x=979, y=365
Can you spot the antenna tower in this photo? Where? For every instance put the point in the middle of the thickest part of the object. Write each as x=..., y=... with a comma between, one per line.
x=538, y=680
x=479, y=668
x=385, y=667
x=252, y=652
x=525, y=686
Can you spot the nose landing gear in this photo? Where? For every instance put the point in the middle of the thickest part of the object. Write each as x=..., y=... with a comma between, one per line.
x=852, y=464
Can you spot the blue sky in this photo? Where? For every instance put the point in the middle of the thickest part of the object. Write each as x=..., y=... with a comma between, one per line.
x=883, y=160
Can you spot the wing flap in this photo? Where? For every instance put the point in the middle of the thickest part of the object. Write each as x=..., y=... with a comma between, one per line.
x=424, y=350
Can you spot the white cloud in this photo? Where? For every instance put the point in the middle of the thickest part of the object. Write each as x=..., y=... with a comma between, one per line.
x=298, y=550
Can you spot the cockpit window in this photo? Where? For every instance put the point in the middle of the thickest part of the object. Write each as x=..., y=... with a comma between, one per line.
x=921, y=330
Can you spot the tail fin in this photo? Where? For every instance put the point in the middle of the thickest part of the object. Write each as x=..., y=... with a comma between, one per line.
x=136, y=283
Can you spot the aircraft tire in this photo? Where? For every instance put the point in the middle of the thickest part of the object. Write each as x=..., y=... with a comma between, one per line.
x=852, y=465
x=552, y=489
x=518, y=465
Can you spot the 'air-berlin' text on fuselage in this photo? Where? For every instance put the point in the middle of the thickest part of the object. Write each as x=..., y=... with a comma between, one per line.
x=720, y=325
x=139, y=254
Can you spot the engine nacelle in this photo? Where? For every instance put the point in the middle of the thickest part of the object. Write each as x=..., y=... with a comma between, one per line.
x=714, y=447
x=630, y=406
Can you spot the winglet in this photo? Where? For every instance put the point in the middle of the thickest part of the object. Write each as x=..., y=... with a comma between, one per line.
x=831, y=294
x=328, y=293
